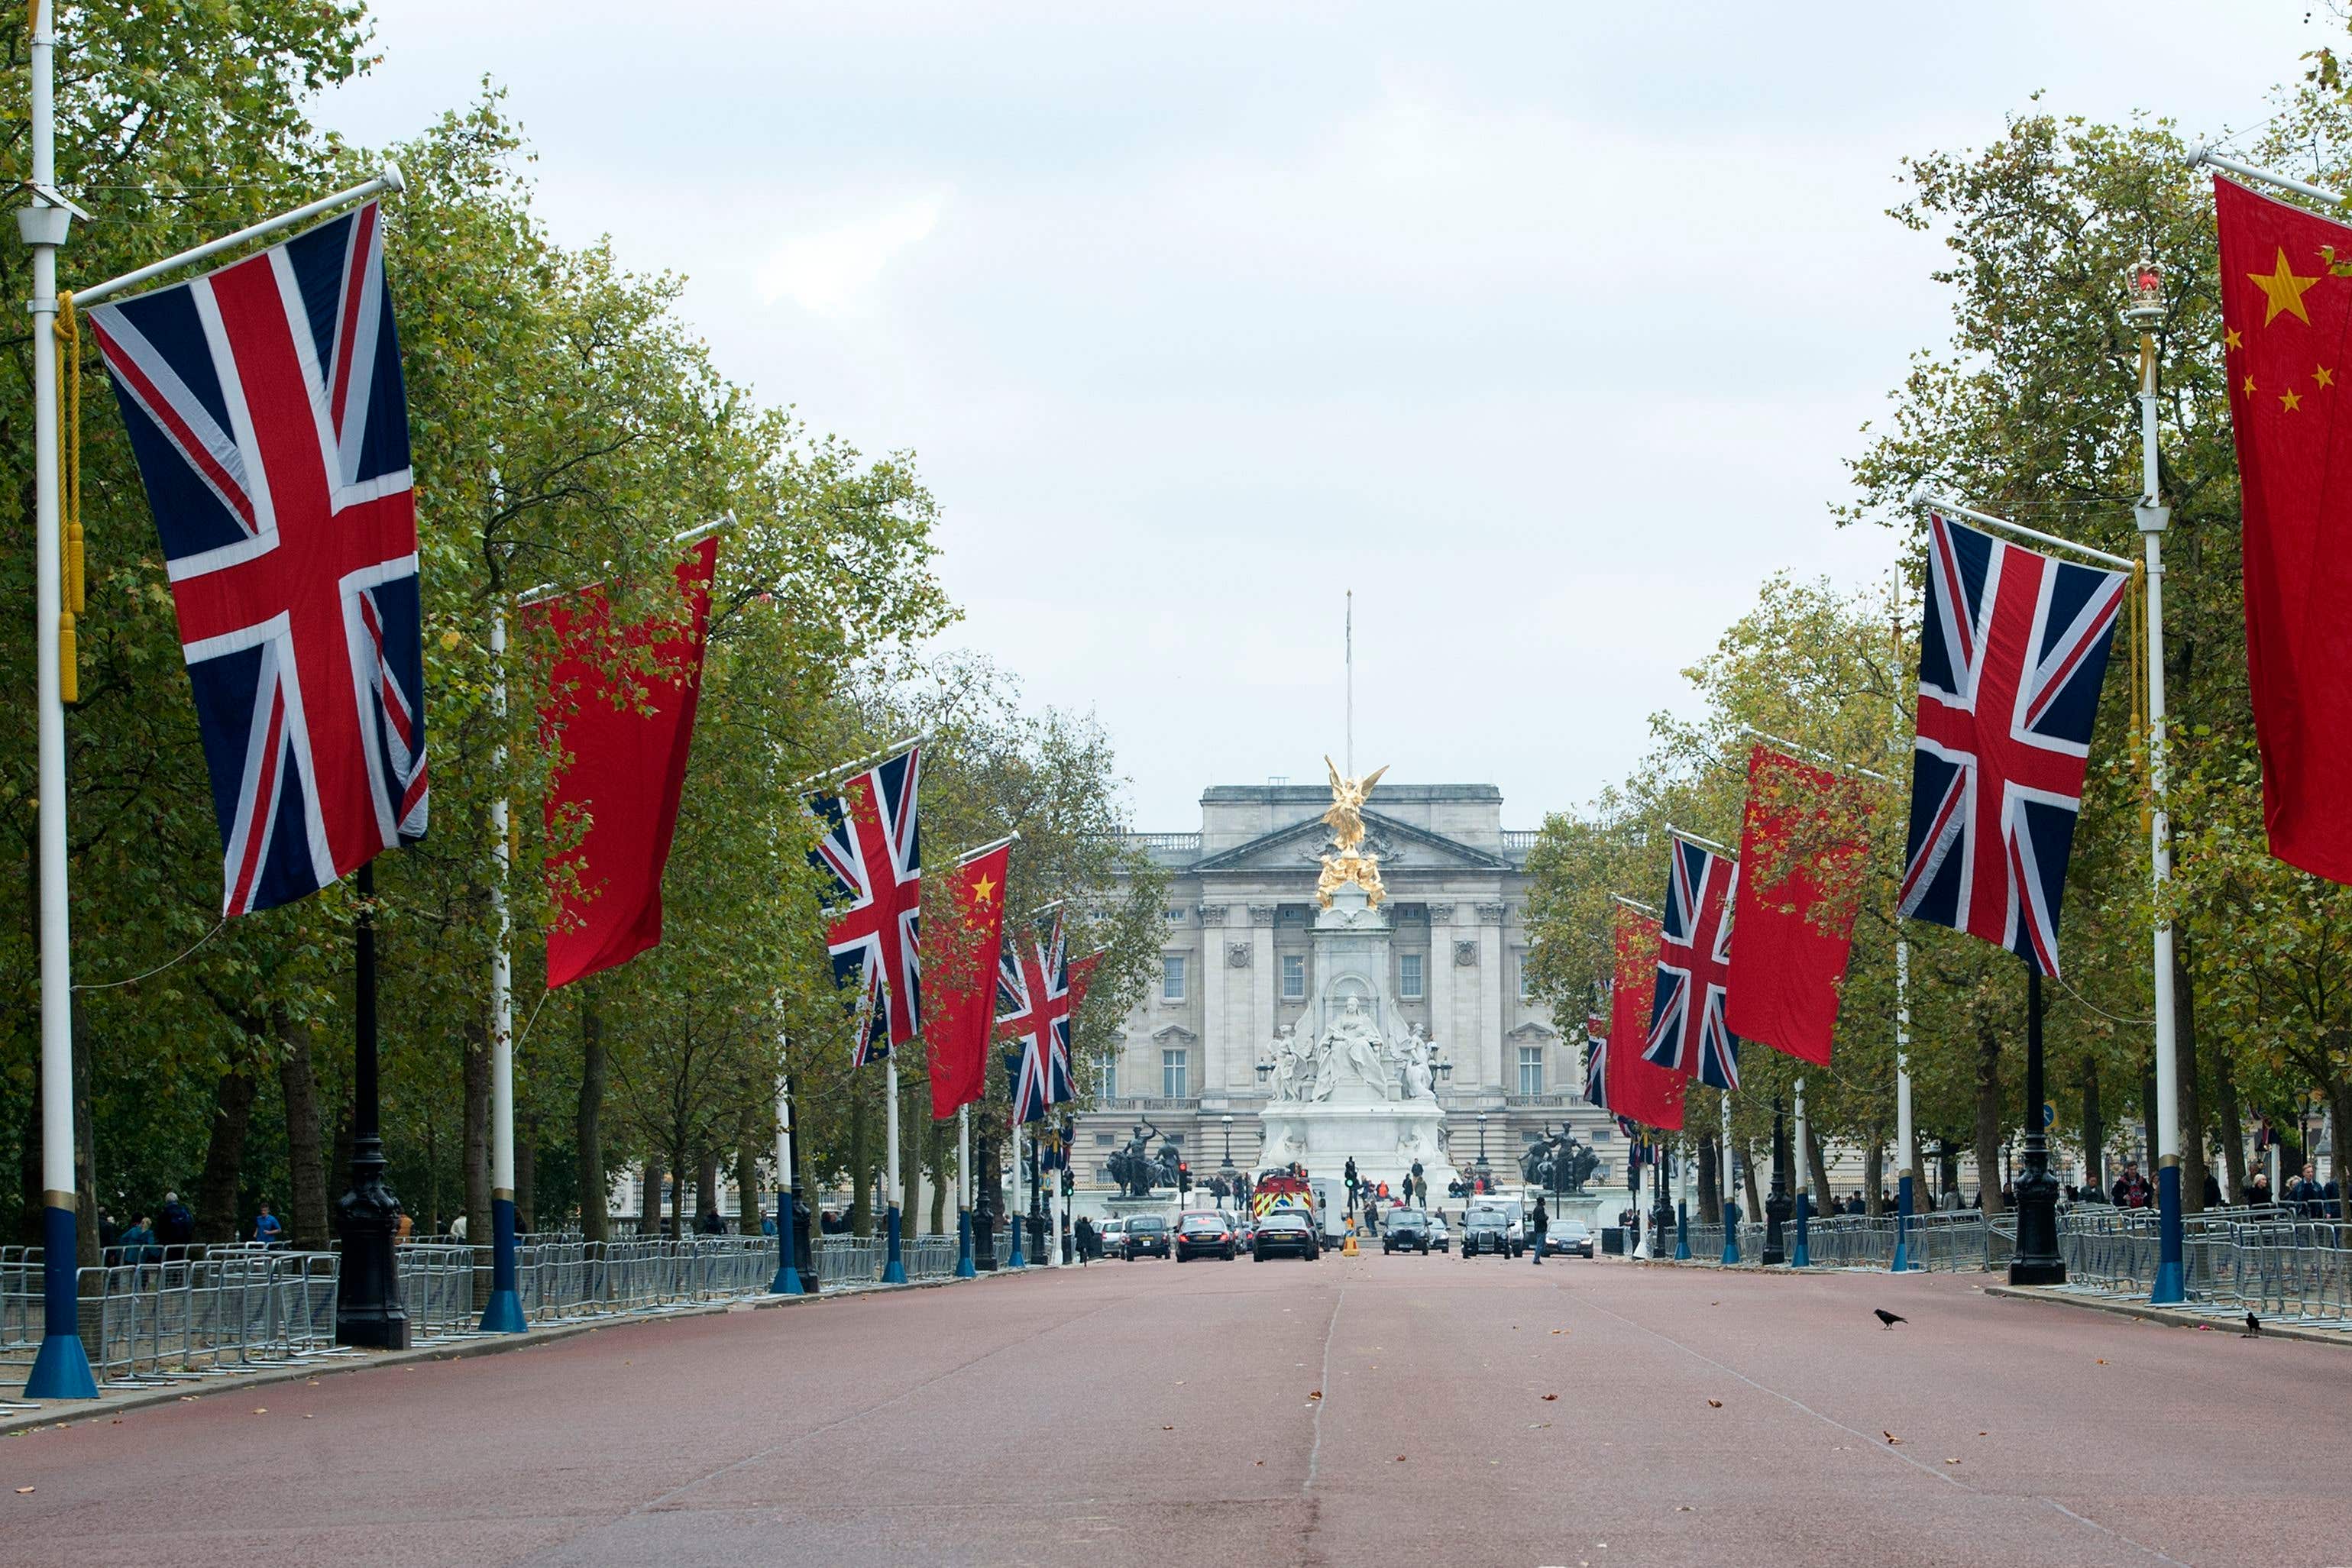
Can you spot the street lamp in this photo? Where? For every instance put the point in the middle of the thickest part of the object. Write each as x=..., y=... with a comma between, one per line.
x=1778, y=1206
x=1486, y=1172
x=1228, y=1120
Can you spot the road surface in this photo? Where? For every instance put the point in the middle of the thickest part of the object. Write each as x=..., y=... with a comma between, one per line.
x=1375, y=1410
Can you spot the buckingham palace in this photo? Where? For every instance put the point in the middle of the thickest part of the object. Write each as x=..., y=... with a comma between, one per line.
x=1237, y=974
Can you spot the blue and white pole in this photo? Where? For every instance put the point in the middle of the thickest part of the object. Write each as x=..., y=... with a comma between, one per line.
x=1802, y=1257
x=894, y=1264
x=787, y=1282
x=503, y=1313
x=963, y=1268
x=1682, y=1206
x=1903, y=1130
x=1730, y=1230
x=2170, y=1285
x=60, y=1368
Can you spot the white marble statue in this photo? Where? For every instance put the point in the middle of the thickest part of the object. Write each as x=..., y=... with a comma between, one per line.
x=1290, y=1065
x=1355, y=1041
x=1420, y=1080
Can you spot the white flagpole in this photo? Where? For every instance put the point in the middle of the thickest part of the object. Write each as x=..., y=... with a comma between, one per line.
x=1905, y=1192
x=1731, y=1231
x=787, y=1282
x=894, y=1264
x=2170, y=1285
x=60, y=1369
x=1801, y=1256
x=1051, y=1182
x=964, y=1269
x=503, y=1313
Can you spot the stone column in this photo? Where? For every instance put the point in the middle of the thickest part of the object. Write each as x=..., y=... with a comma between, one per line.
x=1491, y=1008
x=1266, y=984
x=1208, y=1069
x=1437, y=981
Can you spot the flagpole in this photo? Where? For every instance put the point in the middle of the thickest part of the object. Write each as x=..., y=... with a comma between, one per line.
x=1802, y=1258
x=390, y=180
x=1725, y=1209
x=60, y=1368
x=787, y=1282
x=894, y=1264
x=964, y=1269
x=1905, y=1193
x=503, y=1313
x=1682, y=1204
x=1018, y=1220
x=2170, y=1285
x=1052, y=1186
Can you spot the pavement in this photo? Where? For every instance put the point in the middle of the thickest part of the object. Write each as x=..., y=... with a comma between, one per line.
x=1372, y=1410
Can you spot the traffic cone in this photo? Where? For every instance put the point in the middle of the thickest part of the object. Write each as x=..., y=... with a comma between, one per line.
x=1348, y=1243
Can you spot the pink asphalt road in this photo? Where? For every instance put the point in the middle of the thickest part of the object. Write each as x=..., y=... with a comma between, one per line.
x=1375, y=1410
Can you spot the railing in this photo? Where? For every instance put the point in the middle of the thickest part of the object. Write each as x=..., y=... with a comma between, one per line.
x=1519, y=841
x=1166, y=843
x=145, y=1324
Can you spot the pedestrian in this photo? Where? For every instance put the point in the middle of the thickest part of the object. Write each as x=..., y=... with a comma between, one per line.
x=2258, y=1191
x=2303, y=1193
x=1084, y=1234
x=137, y=1242
x=402, y=1227
x=1542, y=1224
x=2213, y=1189
x=2131, y=1189
x=176, y=1226
x=707, y=1223
x=766, y=1224
x=265, y=1228
x=458, y=1228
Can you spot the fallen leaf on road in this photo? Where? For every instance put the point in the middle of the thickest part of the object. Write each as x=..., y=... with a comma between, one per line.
x=1682, y=1508
x=1983, y=1434
x=314, y=1382
x=1559, y=1330
x=309, y=1417
x=1314, y=1394
x=1715, y=1404
x=1261, y=1461
x=2103, y=1361
x=1951, y=1461
x=261, y=1409
x=22, y=1491
x=1888, y=1435
x=1400, y=1459
x=1168, y=1428
x=187, y=1399
x=1552, y=1396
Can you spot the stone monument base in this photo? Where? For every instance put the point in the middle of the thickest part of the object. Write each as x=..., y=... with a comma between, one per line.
x=1383, y=1139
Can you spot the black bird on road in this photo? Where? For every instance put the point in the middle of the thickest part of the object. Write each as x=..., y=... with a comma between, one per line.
x=1887, y=1319
x=2254, y=1327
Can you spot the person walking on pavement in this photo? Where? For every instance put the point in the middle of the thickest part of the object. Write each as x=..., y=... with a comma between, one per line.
x=1083, y=1234
x=267, y=1230
x=1542, y=1224
x=177, y=1227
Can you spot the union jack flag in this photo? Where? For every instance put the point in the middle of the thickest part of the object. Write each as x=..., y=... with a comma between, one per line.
x=1596, y=1062
x=2011, y=655
x=1687, y=1032
x=1033, y=1010
x=873, y=850
x=265, y=409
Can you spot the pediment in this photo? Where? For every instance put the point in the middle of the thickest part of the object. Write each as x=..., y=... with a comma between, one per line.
x=1398, y=844
x=1532, y=1031
x=1174, y=1034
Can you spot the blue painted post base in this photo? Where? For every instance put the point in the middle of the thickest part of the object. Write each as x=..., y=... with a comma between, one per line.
x=787, y=1282
x=1802, y=1258
x=1681, y=1233
x=62, y=1367
x=964, y=1269
x=1015, y=1261
x=1901, y=1264
x=894, y=1265
x=503, y=1314
x=1731, y=1244
x=2171, y=1286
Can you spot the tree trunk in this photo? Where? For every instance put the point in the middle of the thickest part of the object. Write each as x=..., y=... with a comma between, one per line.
x=1710, y=1163
x=910, y=1171
x=1988, y=1117
x=1874, y=1178
x=748, y=1202
x=476, y=1046
x=861, y=1174
x=1818, y=1169
x=706, y=1186
x=85, y=1147
x=2231, y=1116
x=526, y=1196
x=588, y=1128
x=2339, y=1100
x=1747, y=1181
x=2192, y=1112
x=216, y=1189
x=2094, y=1130
x=306, y=1215
x=2148, y=1116
x=649, y=1201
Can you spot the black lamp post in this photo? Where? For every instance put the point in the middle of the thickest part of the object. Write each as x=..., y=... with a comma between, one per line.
x=1486, y=1172
x=1228, y=1120
x=1778, y=1206
x=368, y=1310
x=1662, y=1207
x=2037, y=1261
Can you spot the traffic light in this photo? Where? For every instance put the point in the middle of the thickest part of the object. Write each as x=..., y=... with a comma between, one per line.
x=1069, y=1182
x=1183, y=1177
x=1351, y=1174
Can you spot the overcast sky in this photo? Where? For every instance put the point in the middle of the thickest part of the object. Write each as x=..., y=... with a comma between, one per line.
x=1546, y=328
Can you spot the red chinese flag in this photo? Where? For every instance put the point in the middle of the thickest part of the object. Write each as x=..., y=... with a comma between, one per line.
x=2284, y=314
x=961, y=983
x=1644, y=1090
x=627, y=767
x=1790, y=949
x=1082, y=974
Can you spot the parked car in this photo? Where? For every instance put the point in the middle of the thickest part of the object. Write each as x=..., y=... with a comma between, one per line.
x=1286, y=1230
x=1204, y=1234
x=1114, y=1238
x=1567, y=1238
x=1408, y=1231
x=1441, y=1239
x=1490, y=1230
x=1146, y=1237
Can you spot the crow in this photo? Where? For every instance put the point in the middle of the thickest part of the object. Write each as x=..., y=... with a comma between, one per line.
x=1887, y=1319
x=2254, y=1327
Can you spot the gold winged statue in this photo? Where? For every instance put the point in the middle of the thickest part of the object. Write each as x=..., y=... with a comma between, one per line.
x=1348, y=862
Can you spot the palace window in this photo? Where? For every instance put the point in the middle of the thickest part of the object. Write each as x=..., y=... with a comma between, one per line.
x=1294, y=976
x=1172, y=977
x=1532, y=1070
x=1526, y=979
x=1175, y=917
x=1110, y=1079
x=1409, y=976
x=1104, y=1140
x=1175, y=1074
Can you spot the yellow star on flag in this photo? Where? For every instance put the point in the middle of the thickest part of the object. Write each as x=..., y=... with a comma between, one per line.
x=2282, y=291
x=2323, y=376
x=2250, y=386
x=2289, y=401
x=984, y=891
x=2229, y=340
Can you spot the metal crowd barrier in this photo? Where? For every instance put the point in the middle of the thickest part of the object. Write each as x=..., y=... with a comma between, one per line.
x=185, y=1318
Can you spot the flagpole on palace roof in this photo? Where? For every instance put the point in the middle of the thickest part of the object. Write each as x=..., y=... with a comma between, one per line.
x=60, y=1368
x=2170, y=1285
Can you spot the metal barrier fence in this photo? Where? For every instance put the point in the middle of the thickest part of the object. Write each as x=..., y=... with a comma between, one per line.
x=143, y=1324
